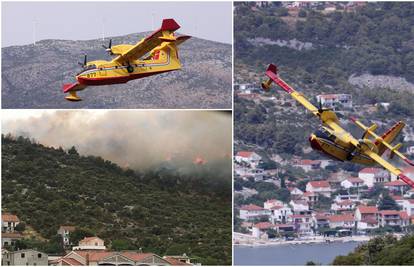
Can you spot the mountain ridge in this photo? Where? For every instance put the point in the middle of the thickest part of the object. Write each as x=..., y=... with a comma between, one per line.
x=35, y=75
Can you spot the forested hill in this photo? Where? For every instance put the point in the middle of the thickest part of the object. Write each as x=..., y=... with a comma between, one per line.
x=329, y=46
x=48, y=187
x=385, y=250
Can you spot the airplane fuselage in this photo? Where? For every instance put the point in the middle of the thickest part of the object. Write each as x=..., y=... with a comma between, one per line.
x=329, y=144
x=106, y=72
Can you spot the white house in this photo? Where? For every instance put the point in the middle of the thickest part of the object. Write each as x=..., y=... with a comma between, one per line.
x=341, y=220
x=90, y=243
x=397, y=186
x=344, y=205
x=410, y=150
x=308, y=165
x=271, y=203
x=280, y=214
x=408, y=206
x=319, y=187
x=64, y=231
x=259, y=229
x=335, y=100
x=302, y=223
x=295, y=192
x=366, y=217
x=393, y=218
x=299, y=206
x=9, y=222
x=250, y=212
x=352, y=182
x=248, y=157
x=371, y=176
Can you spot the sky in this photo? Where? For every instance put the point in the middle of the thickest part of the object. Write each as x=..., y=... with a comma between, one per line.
x=131, y=138
x=89, y=20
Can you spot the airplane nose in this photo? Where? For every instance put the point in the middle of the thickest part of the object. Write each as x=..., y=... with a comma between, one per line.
x=314, y=142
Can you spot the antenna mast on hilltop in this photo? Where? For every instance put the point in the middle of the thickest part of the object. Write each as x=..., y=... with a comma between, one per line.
x=103, y=29
x=152, y=21
x=34, y=32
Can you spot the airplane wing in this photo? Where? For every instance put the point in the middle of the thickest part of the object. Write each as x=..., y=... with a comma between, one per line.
x=328, y=117
x=163, y=34
x=389, y=167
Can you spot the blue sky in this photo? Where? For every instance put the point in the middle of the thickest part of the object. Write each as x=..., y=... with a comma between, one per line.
x=86, y=20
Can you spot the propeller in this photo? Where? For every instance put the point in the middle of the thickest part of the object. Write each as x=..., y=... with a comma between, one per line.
x=108, y=48
x=85, y=60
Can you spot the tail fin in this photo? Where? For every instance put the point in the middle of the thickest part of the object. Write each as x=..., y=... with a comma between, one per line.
x=270, y=72
x=390, y=135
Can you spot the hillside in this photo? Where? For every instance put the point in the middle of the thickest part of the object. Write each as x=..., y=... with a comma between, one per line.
x=161, y=211
x=381, y=251
x=366, y=52
x=32, y=77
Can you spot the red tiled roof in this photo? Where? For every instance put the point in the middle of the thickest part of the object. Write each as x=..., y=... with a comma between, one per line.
x=89, y=238
x=319, y=184
x=355, y=180
x=175, y=262
x=345, y=202
x=370, y=170
x=395, y=183
x=276, y=207
x=70, y=262
x=299, y=216
x=94, y=255
x=281, y=225
x=404, y=215
x=308, y=162
x=68, y=227
x=341, y=218
x=389, y=212
x=136, y=256
x=308, y=194
x=7, y=217
x=367, y=209
x=264, y=225
x=244, y=154
x=12, y=235
x=251, y=207
x=369, y=220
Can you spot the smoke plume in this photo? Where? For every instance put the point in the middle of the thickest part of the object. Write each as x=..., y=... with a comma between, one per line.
x=134, y=139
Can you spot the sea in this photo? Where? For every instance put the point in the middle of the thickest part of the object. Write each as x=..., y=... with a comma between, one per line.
x=298, y=254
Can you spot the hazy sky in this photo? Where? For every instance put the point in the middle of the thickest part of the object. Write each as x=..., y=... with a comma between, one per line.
x=85, y=20
x=134, y=138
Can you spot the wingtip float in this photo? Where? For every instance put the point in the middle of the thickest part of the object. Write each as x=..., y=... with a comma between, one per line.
x=332, y=140
x=154, y=54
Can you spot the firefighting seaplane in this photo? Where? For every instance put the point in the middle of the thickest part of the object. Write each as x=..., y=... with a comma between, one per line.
x=155, y=54
x=332, y=140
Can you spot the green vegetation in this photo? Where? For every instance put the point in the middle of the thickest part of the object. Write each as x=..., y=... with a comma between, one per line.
x=158, y=212
x=376, y=38
x=385, y=250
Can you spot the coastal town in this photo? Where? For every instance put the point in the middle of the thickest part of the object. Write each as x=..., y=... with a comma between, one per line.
x=88, y=251
x=342, y=207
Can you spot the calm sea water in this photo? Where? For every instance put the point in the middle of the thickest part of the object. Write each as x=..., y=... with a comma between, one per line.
x=292, y=254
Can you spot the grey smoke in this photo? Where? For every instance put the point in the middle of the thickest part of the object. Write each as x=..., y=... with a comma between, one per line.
x=130, y=138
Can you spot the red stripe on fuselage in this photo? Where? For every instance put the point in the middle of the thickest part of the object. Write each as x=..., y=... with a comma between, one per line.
x=116, y=80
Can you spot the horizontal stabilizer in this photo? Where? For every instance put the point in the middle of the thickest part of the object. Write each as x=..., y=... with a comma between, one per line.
x=73, y=87
x=181, y=39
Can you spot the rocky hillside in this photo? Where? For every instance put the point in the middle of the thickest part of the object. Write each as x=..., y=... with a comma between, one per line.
x=33, y=76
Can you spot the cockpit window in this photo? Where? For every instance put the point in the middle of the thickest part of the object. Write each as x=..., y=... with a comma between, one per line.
x=323, y=133
x=86, y=68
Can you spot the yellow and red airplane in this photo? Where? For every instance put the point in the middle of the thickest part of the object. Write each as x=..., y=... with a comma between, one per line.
x=155, y=54
x=332, y=140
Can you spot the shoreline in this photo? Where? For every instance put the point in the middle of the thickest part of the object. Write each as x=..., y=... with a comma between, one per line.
x=243, y=240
